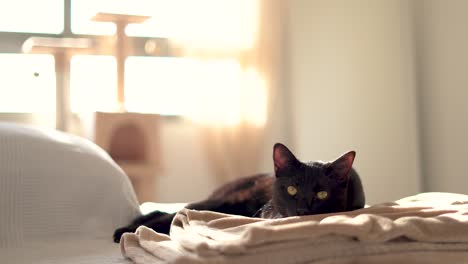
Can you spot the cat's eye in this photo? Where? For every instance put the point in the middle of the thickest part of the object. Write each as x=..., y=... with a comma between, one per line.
x=292, y=190
x=322, y=195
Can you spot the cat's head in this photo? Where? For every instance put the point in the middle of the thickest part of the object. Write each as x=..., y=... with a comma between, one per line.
x=309, y=188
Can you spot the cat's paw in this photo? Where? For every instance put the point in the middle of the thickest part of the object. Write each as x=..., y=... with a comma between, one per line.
x=120, y=231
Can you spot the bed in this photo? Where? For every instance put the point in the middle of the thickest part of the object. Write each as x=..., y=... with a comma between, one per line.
x=61, y=197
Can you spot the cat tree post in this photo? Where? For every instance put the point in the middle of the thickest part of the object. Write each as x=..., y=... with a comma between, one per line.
x=131, y=139
x=122, y=46
x=62, y=49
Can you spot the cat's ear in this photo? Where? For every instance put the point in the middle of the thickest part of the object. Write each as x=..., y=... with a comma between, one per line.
x=342, y=165
x=282, y=157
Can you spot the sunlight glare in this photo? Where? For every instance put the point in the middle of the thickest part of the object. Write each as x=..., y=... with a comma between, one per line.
x=83, y=11
x=208, y=90
x=93, y=83
x=219, y=94
x=254, y=94
x=160, y=85
x=205, y=91
x=16, y=16
x=27, y=84
x=217, y=25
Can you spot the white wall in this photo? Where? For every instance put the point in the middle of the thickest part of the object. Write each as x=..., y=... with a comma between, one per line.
x=442, y=47
x=185, y=175
x=353, y=87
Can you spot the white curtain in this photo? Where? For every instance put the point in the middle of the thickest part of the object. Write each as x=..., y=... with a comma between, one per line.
x=234, y=124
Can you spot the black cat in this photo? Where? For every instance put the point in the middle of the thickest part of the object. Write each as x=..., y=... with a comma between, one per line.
x=297, y=189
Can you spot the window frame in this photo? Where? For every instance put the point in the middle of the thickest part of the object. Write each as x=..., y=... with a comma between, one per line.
x=12, y=42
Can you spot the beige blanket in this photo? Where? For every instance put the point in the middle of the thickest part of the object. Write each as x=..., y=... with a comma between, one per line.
x=426, y=228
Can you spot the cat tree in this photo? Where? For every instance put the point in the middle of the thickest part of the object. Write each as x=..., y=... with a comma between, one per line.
x=131, y=139
x=62, y=49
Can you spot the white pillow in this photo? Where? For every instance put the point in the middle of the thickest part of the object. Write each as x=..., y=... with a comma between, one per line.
x=57, y=185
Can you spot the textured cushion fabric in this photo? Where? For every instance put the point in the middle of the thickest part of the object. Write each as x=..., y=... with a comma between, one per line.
x=58, y=187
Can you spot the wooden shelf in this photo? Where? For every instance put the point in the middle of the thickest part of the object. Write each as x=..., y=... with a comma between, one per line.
x=116, y=17
x=54, y=45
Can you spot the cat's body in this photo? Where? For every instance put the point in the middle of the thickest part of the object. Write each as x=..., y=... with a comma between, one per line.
x=296, y=188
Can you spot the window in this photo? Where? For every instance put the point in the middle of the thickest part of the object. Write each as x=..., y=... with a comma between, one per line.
x=28, y=80
x=182, y=86
x=82, y=12
x=194, y=87
x=165, y=85
x=29, y=85
x=44, y=16
x=93, y=82
x=174, y=18
x=146, y=78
